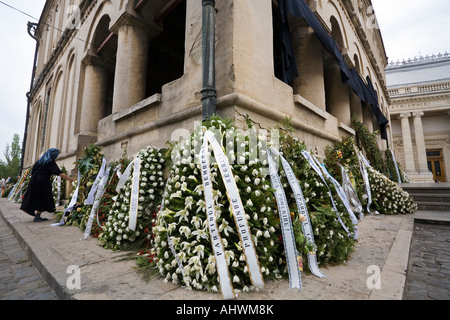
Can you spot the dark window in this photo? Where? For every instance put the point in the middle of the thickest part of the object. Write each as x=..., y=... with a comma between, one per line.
x=166, y=51
x=437, y=168
x=434, y=153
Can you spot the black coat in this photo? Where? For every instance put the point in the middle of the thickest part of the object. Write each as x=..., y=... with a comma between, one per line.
x=39, y=192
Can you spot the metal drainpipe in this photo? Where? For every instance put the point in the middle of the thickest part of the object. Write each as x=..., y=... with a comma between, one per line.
x=31, y=27
x=208, y=59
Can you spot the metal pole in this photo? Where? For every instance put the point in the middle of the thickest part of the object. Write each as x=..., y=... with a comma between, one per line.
x=208, y=58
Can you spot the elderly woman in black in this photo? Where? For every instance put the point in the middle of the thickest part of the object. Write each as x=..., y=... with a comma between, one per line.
x=39, y=197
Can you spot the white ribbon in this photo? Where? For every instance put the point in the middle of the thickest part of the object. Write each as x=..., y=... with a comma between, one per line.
x=72, y=203
x=216, y=240
x=363, y=163
x=124, y=176
x=58, y=190
x=116, y=171
x=312, y=162
x=295, y=280
x=238, y=212
x=351, y=193
x=13, y=191
x=290, y=249
x=303, y=211
x=98, y=197
x=91, y=195
x=396, y=167
x=134, y=201
x=343, y=198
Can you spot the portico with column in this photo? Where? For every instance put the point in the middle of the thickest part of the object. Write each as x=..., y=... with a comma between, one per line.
x=423, y=171
x=308, y=49
x=92, y=101
x=419, y=173
x=132, y=59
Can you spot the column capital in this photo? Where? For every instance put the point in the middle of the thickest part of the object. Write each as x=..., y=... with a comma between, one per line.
x=405, y=115
x=127, y=19
x=418, y=114
x=94, y=60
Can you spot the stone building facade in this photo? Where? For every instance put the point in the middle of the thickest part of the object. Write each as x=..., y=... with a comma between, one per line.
x=419, y=91
x=128, y=73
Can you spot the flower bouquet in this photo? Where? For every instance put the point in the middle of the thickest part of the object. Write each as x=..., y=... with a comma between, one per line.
x=21, y=188
x=385, y=195
x=388, y=197
x=107, y=201
x=182, y=250
x=342, y=156
x=58, y=188
x=333, y=244
x=116, y=233
x=89, y=167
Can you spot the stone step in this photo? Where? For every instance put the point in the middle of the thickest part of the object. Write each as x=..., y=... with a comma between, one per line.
x=427, y=188
x=433, y=206
x=438, y=198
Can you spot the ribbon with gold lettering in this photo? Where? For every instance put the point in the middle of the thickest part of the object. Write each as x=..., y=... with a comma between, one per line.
x=312, y=162
x=350, y=191
x=303, y=212
x=363, y=164
x=237, y=209
x=71, y=204
x=290, y=248
x=98, y=197
x=134, y=201
x=90, y=198
x=343, y=198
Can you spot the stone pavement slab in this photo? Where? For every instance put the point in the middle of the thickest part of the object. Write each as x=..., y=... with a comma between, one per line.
x=376, y=270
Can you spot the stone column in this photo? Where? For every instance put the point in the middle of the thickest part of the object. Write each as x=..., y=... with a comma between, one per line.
x=337, y=95
x=367, y=116
x=420, y=142
x=131, y=66
x=308, y=52
x=94, y=94
x=356, y=106
x=407, y=143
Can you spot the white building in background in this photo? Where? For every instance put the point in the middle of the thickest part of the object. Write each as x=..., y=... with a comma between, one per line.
x=419, y=90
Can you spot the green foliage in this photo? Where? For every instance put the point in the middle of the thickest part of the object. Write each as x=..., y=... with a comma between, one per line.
x=89, y=167
x=333, y=245
x=184, y=218
x=369, y=143
x=343, y=152
x=391, y=166
x=11, y=166
x=115, y=233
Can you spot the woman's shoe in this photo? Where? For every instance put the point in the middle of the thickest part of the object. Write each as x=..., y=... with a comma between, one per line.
x=39, y=219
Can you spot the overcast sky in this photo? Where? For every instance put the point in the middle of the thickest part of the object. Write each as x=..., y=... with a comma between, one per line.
x=409, y=28
x=413, y=27
x=16, y=63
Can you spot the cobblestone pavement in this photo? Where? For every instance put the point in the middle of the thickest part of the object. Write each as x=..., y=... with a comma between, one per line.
x=428, y=275
x=19, y=279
